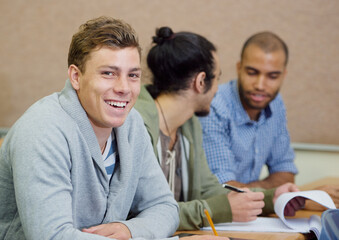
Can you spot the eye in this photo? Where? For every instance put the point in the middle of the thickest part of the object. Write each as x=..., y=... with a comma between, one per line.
x=274, y=75
x=252, y=73
x=134, y=76
x=107, y=73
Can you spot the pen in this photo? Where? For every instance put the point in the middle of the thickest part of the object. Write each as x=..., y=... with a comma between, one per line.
x=232, y=188
x=210, y=222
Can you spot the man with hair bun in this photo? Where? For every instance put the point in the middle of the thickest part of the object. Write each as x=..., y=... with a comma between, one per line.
x=185, y=68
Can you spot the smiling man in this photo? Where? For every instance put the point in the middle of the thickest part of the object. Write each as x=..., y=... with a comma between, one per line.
x=246, y=128
x=76, y=165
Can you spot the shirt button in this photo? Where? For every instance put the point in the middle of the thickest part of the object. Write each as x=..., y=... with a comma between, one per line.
x=256, y=151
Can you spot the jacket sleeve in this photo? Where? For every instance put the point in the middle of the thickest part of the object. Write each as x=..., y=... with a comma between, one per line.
x=268, y=199
x=206, y=191
x=192, y=214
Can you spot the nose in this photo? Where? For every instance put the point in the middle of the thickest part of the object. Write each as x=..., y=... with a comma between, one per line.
x=121, y=85
x=260, y=82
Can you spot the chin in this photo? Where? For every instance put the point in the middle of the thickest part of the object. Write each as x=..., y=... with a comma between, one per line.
x=259, y=107
x=116, y=122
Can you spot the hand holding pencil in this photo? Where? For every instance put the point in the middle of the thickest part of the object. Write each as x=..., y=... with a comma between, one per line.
x=207, y=237
x=245, y=206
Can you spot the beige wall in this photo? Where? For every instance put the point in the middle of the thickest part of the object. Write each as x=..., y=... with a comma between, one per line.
x=35, y=36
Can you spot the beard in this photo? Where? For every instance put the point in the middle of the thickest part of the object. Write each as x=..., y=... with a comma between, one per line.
x=246, y=101
x=202, y=113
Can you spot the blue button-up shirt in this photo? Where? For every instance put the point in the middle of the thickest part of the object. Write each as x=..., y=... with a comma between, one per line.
x=237, y=147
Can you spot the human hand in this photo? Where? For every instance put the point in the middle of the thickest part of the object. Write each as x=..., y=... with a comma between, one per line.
x=295, y=203
x=204, y=237
x=332, y=190
x=246, y=206
x=111, y=230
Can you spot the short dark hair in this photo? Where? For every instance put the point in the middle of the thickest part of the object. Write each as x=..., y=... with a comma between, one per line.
x=99, y=32
x=176, y=58
x=266, y=41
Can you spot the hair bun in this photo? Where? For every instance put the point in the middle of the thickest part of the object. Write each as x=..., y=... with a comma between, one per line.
x=163, y=34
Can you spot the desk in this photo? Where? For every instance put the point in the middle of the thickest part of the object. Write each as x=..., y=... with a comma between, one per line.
x=320, y=182
x=278, y=236
x=265, y=235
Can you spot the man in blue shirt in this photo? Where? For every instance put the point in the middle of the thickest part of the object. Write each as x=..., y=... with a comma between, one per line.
x=246, y=128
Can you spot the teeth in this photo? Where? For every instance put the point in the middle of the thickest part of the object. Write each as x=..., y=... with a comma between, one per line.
x=117, y=104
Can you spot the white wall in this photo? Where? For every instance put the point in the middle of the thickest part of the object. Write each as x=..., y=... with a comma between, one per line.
x=314, y=165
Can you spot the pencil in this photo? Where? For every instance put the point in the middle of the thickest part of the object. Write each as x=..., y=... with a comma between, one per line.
x=210, y=222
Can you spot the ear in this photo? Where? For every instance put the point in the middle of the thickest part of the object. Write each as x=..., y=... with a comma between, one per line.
x=199, y=82
x=238, y=67
x=284, y=72
x=74, y=74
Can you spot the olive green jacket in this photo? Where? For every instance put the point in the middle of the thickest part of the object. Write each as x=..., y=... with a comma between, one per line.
x=203, y=190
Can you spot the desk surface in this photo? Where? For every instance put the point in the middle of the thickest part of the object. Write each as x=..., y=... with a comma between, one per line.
x=265, y=235
x=277, y=236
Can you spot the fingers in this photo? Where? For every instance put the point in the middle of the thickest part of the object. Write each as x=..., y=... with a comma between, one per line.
x=293, y=188
x=294, y=205
x=257, y=196
x=301, y=202
x=289, y=211
x=93, y=230
x=333, y=191
x=246, y=206
x=112, y=230
x=287, y=187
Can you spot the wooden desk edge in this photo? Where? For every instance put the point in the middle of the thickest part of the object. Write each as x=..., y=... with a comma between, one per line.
x=252, y=235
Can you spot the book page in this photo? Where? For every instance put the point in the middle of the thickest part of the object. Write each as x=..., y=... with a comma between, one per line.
x=318, y=196
x=261, y=224
x=315, y=225
x=270, y=224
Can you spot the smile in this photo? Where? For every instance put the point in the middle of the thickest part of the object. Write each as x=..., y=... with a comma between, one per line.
x=117, y=104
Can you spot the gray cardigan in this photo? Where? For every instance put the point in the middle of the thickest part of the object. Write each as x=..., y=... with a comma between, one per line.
x=53, y=181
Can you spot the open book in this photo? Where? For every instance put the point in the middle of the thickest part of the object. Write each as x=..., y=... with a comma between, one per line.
x=281, y=224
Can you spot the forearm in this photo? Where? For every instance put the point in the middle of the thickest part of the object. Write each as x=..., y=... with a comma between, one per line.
x=273, y=180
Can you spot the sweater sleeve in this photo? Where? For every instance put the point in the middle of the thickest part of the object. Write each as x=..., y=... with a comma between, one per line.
x=41, y=177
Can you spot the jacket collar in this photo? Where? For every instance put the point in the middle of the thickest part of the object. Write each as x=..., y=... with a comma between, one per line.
x=70, y=103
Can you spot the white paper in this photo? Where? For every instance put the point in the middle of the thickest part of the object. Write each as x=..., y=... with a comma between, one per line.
x=261, y=224
x=281, y=224
x=302, y=225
